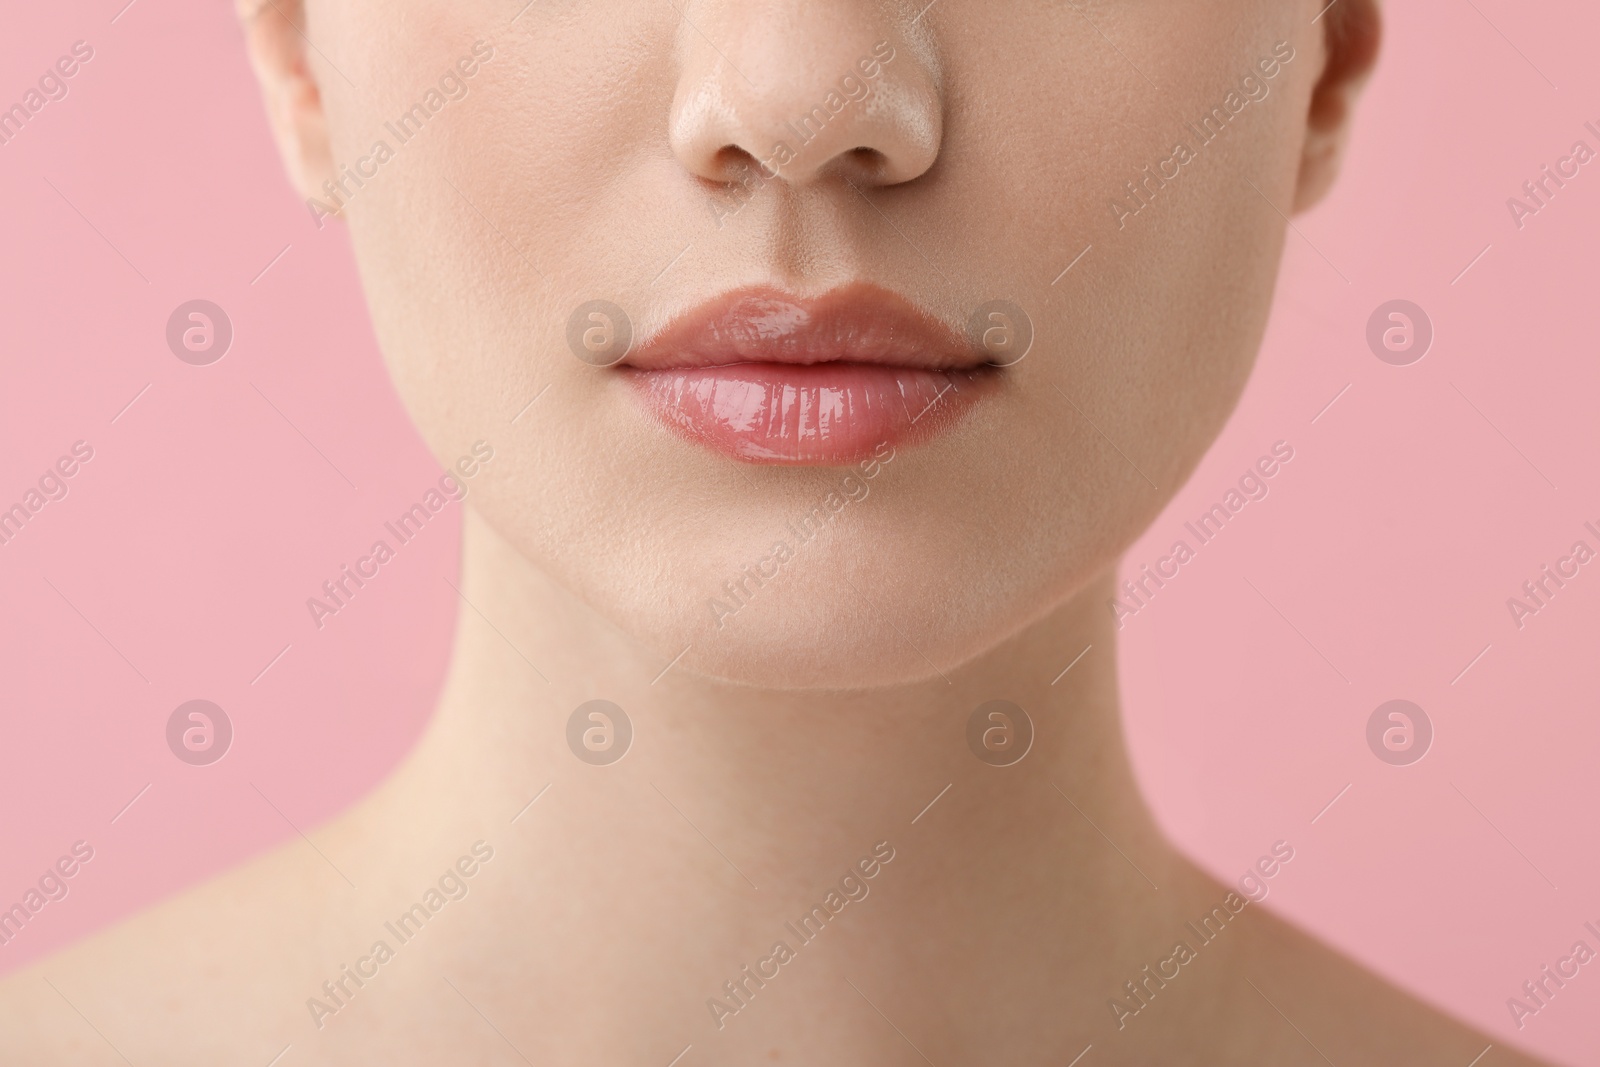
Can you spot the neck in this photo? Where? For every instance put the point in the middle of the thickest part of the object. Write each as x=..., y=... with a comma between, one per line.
x=528, y=653
x=760, y=800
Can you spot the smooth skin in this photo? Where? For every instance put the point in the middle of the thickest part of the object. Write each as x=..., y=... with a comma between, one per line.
x=597, y=144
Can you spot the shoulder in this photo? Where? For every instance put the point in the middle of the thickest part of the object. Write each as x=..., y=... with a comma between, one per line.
x=1349, y=1013
x=209, y=976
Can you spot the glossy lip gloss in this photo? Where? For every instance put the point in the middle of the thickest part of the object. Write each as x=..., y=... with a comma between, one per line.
x=767, y=377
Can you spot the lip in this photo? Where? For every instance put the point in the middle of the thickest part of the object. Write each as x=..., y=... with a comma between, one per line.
x=768, y=377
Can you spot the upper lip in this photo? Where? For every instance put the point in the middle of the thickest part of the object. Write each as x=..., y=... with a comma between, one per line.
x=856, y=323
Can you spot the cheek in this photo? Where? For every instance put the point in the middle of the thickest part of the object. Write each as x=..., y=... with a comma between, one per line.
x=481, y=237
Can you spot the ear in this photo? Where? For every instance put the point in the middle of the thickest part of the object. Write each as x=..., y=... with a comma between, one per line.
x=1351, y=32
x=276, y=42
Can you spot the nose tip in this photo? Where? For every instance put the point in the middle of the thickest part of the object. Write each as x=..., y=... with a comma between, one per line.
x=869, y=113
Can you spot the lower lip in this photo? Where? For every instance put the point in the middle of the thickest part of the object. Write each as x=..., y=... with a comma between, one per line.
x=820, y=414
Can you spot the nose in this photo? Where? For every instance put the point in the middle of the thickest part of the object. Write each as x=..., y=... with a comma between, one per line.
x=807, y=89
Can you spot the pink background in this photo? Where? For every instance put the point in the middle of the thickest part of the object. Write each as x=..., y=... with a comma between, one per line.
x=1388, y=545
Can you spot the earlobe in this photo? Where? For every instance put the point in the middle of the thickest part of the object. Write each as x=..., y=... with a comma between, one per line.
x=1352, y=30
x=275, y=39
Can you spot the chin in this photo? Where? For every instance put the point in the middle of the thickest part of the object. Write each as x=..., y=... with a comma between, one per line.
x=871, y=608
x=799, y=639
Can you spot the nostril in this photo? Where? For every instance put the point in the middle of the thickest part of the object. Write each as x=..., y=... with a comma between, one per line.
x=730, y=164
x=879, y=121
x=866, y=163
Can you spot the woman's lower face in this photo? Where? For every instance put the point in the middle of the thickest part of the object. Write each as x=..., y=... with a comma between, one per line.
x=785, y=318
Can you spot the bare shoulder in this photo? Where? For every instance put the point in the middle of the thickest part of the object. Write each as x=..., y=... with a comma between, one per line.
x=1349, y=1014
x=205, y=977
